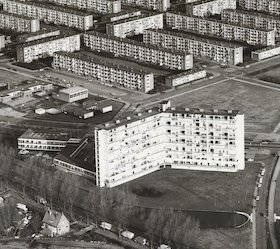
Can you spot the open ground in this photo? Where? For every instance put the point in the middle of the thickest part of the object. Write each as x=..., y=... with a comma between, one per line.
x=260, y=105
x=197, y=190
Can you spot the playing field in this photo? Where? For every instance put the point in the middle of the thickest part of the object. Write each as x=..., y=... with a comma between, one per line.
x=260, y=105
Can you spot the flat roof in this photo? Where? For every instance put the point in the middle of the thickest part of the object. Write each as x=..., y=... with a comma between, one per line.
x=72, y=90
x=53, y=7
x=104, y=62
x=80, y=156
x=99, y=104
x=121, y=13
x=44, y=40
x=136, y=43
x=277, y=45
x=187, y=72
x=40, y=32
x=196, y=37
x=216, y=21
x=135, y=18
x=42, y=135
x=155, y=110
x=2, y=12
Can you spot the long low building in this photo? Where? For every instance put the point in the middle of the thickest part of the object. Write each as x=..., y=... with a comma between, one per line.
x=206, y=48
x=252, y=19
x=138, y=51
x=18, y=23
x=121, y=15
x=160, y=5
x=43, y=33
x=220, y=28
x=104, y=71
x=50, y=13
x=135, y=25
x=209, y=7
x=178, y=138
x=27, y=52
x=266, y=52
x=104, y=6
x=185, y=77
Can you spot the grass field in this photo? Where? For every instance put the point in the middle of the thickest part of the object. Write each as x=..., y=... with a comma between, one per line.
x=198, y=190
x=260, y=105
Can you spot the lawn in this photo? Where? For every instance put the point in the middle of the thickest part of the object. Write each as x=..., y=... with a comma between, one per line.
x=197, y=190
x=260, y=105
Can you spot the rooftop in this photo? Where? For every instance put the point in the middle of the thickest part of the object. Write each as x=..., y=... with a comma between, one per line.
x=52, y=7
x=73, y=89
x=135, y=18
x=98, y=104
x=52, y=217
x=277, y=45
x=17, y=16
x=137, y=43
x=153, y=111
x=121, y=13
x=80, y=155
x=104, y=62
x=40, y=32
x=187, y=72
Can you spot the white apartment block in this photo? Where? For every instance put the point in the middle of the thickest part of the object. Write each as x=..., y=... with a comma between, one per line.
x=222, y=52
x=266, y=52
x=43, y=33
x=18, y=23
x=50, y=13
x=104, y=71
x=185, y=77
x=212, y=7
x=99, y=6
x=252, y=19
x=221, y=29
x=135, y=25
x=269, y=6
x=160, y=5
x=138, y=51
x=27, y=52
x=177, y=138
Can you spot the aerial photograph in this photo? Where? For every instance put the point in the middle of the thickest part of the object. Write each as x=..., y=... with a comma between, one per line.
x=140, y=124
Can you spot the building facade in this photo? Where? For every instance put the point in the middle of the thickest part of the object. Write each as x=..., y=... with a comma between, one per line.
x=27, y=52
x=71, y=94
x=252, y=19
x=206, y=48
x=266, y=52
x=18, y=23
x=105, y=72
x=138, y=51
x=50, y=13
x=212, y=7
x=121, y=15
x=160, y=5
x=104, y=6
x=2, y=42
x=181, y=139
x=221, y=29
x=269, y=6
x=185, y=77
x=135, y=25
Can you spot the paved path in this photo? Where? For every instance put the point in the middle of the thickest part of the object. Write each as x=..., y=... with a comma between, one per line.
x=271, y=205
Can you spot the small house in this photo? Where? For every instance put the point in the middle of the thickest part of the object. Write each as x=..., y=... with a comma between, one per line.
x=55, y=223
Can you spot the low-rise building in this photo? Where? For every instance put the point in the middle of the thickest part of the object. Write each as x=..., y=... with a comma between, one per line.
x=104, y=6
x=135, y=25
x=46, y=141
x=185, y=77
x=55, y=223
x=138, y=51
x=18, y=23
x=102, y=106
x=29, y=51
x=179, y=138
x=252, y=19
x=71, y=94
x=160, y=5
x=225, y=30
x=104, y=71
x=267, y=52
x=78, y=159
x=201, y=47
x=43, y=33
x=50, y=13
x=209, y=7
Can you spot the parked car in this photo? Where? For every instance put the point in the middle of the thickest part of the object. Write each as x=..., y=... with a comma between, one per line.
x=162, y=246
x=127, y=234
x=106, y=226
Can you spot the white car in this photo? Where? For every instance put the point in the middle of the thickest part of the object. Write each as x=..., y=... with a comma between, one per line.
x=257, y=198
x=261, y=180
x=259, y=185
